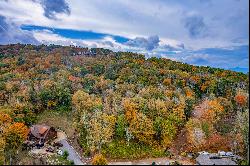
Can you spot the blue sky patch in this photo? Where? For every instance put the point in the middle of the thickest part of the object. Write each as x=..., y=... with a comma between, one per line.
x=75, y=34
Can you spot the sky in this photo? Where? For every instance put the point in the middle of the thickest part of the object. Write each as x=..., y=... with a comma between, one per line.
x=200, y=32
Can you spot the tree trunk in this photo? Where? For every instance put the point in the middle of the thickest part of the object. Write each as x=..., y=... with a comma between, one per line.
x=99, y=147
x=10, y=159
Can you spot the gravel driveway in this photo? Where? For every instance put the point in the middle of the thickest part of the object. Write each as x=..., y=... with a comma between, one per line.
x=72, y=153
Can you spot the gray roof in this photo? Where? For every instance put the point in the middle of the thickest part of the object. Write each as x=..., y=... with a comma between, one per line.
x=204, y=159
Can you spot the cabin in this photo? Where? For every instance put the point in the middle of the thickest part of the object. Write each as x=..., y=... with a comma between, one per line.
x=40, y=134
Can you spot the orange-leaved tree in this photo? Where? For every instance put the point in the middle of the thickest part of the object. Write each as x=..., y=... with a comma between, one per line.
x=13, y=134
x=241, y=99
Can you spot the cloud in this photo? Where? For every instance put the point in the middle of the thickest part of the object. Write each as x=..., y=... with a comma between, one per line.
x=196, y=26
x=109, y=43
x=131, y=19
x=48, y=37
x=137, y=44
x=181, y=46
x=11, y=33
x=168, y=47
x=227, y=58
x=149, y=43
x=51, y=8
x=197, y=59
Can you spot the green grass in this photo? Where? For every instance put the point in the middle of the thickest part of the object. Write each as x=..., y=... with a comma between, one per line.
x=59, y=120
x=120, y=150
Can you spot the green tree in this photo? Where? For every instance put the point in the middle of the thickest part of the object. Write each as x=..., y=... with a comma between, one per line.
x=121, y=125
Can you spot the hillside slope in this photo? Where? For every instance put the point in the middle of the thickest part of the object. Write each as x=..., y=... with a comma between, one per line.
x=124, y=105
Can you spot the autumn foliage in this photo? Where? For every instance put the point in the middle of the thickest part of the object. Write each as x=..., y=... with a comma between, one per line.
x=13, y=134
x=241, y=99
x=117, y=97
x=217, y=142
x=99, y=159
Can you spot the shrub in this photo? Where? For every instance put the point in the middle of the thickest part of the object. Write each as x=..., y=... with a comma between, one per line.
x=217, y=142
x=99, y=159
x=167, y=81
x=243, y=162
x=175, y=163
x=98, y=69
x=188, y=108
x=120, y=127
x=87, y=152
x=71, y=162
x=206, y=129
x=2, y=85
x=65, y=154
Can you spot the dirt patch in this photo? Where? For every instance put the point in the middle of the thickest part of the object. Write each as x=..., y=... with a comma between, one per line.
x=40, y=152
x=60, y=136
x=179, y=144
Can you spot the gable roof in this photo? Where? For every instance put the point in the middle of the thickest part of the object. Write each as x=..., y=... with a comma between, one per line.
x=43, y=129
x=39, y=131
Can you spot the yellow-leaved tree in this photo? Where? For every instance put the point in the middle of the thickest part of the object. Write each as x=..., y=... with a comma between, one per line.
x=100, y=129
x=142, y=128
x=85, y=103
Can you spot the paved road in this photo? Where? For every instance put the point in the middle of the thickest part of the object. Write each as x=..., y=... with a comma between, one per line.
x=72, y=153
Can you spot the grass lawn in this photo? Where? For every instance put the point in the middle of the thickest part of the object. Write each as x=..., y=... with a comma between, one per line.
x=120, y=150
x=60, y=120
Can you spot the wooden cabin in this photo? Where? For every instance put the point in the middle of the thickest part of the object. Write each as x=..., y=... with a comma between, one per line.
x=39, y=134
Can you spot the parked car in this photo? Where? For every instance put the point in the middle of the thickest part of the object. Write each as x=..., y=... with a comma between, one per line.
x=60, y=152
x=50, y=149
x=57, y=144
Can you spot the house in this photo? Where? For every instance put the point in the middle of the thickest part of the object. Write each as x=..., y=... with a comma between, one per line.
x=39, y=134
x=214, y=159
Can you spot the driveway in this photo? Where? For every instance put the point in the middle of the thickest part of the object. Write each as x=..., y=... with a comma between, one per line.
x=73, y=155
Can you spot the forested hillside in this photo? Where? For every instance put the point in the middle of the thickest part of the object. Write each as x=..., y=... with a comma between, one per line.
x=123, y=105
